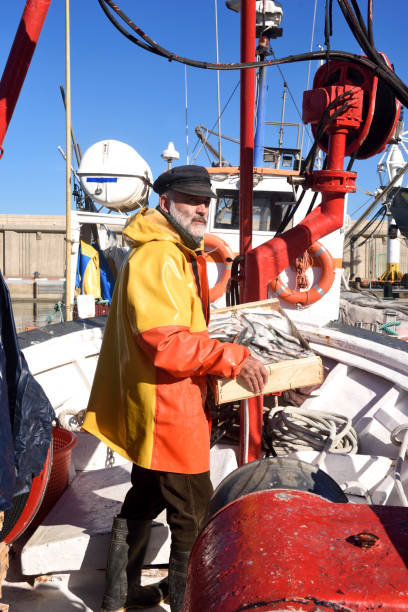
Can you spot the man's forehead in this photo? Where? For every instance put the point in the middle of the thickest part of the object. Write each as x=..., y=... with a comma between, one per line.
x=188, y=197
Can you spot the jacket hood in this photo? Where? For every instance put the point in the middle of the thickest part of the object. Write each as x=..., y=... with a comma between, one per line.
x=148, y=225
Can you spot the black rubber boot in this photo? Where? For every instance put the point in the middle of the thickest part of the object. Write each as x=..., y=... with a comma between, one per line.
x=177, y=578
x=129, y=540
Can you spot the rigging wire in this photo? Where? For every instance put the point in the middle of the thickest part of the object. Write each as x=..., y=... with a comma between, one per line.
x=355, y=237
x=374, y=61
x=326, y=118
x=203, y=143
x=216, y=121
x=288, y=88
x=257, y=96
x=361, y=20
x=218, y=82
x=122, y=30
x=360, y=207
x=328, y=27
x=362, y=33
x=382, y=210
x=364, y=204
x=186, y=114
x=234, y=90
x=370, y=21
x=308, y=73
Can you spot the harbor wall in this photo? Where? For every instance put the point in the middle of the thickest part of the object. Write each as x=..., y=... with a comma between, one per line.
x=30, y=246
x=32, y=261
x=369, y=260
x=33, y=246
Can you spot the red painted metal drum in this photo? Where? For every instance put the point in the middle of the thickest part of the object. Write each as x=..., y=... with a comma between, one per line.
x=275, y=473
x=292, y=550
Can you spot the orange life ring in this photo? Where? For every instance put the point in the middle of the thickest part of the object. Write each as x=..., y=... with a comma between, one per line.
x=315, y=293
x=224, y=255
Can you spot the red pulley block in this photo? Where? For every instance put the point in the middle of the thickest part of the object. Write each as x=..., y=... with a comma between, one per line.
x=372, y=100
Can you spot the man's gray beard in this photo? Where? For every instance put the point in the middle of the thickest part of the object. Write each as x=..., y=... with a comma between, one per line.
x=186, y=222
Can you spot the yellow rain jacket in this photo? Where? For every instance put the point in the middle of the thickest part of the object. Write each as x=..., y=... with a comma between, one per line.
x=148, y=397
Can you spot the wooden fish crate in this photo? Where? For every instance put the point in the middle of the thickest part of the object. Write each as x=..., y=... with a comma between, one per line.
x=4, y=563
x=283, y=375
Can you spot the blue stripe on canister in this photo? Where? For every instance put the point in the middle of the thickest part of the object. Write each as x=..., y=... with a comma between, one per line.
x=101, y=179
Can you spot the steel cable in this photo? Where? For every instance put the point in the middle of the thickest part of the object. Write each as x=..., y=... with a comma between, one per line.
x=376, y=64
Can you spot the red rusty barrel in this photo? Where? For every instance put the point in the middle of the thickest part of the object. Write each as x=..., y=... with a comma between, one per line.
x=293, y=550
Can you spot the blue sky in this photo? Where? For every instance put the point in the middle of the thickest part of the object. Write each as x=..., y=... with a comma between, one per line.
x=123, y=92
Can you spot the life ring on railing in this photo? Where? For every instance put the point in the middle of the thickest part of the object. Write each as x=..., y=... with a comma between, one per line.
x=323, y=258
x=220, y=251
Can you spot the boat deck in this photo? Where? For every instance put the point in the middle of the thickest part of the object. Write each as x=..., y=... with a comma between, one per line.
x=63, y=592
x=60, y=566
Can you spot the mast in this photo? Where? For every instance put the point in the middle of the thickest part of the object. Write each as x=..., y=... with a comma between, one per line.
x=285, y=86
x=68, y=243
x=248, y=26
x=267, y=27
x=218, y=85
x=260, y=112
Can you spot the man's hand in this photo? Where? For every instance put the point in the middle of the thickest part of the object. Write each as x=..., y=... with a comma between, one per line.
x=253, y=375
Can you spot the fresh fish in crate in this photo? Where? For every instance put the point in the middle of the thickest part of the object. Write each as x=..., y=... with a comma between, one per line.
x=269, y=335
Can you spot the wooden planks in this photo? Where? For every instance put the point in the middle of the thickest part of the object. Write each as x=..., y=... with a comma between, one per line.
x=4, y=563
x=284, y=375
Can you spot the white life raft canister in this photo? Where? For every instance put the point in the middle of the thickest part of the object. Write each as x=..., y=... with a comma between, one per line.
x=113, y=174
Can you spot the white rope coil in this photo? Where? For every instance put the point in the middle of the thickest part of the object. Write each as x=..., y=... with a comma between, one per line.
x=402, y=455
x=295, y=429
x=71, y=420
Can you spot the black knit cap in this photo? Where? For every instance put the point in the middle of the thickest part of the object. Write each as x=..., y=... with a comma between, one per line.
x=193, y=180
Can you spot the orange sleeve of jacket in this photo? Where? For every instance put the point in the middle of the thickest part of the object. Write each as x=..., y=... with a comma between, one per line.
x=184, y=353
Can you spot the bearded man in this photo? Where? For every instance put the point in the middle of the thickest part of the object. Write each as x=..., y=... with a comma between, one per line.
x=148, y=397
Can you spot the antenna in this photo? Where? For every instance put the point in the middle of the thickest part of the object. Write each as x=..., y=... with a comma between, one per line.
x=308, y=71
x=218, y=85
x=68, y=243
x=185, y=88
x=170, y=154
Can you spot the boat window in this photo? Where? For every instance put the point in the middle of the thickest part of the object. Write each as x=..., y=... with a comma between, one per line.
x=268, y=210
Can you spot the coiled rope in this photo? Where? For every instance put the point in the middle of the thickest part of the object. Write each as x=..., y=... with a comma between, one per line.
x=401, y=429
x=294, y=429
x=71, y=420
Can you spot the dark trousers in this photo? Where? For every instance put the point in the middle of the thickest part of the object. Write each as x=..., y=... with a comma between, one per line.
x=184, y=496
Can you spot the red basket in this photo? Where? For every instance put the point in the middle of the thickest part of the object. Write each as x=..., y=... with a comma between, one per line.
x=63, y=442
x=24, y=506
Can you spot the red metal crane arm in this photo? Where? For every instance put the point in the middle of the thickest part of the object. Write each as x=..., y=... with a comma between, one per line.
x=19, y=59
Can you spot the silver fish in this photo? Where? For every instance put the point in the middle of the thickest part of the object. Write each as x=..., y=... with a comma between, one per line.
x=269, y=335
